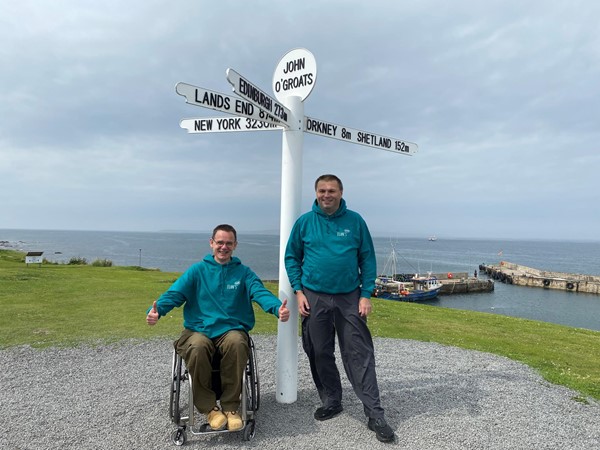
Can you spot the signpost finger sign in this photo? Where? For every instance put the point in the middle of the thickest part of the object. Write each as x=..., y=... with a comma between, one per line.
x=198, y=96
x=256, y=96
x=328, y=129
x=224, y=124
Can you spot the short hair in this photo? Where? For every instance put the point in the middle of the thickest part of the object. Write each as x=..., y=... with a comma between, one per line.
x=227, y=228
x=329, y=177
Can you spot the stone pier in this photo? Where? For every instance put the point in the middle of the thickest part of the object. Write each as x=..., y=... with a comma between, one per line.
x=520, y=275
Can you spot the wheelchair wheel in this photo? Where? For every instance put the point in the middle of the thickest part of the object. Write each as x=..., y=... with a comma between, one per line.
x=178, y=436
x=252, y=382
x=249, y=430
x=177, y=377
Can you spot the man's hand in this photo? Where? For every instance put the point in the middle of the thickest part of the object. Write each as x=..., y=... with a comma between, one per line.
x=303, y=306
x=152, y=316
x=364, y=306
x=284, y=312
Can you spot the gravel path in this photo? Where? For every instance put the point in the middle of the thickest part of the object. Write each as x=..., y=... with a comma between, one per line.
x=436, y=397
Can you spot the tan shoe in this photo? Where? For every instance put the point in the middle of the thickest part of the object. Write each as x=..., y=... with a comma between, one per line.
x=216, y=419
x=234, y=421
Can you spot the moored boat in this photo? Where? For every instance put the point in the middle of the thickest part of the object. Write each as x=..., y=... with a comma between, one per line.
x=416, y=288
x=420, y=288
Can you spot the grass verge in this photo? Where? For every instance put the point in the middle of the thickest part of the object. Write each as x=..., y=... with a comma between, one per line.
x=65, y=305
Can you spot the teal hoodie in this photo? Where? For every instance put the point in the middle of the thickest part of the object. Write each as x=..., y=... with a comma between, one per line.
x=218, y=297
x=331, y=254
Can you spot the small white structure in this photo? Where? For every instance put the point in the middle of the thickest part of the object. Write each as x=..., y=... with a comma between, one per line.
x=34, y=258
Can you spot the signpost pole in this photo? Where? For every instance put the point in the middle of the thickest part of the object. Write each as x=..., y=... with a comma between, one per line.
x=291, y=195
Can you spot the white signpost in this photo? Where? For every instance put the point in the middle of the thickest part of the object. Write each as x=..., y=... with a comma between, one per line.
x=293, y=80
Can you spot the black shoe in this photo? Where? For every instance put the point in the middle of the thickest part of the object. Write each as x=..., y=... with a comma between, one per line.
x=383, y=431
x=323, y=413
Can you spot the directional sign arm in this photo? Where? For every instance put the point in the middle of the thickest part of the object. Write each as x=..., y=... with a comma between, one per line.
x=361, y=137
x=229, y=104
x=248, y=91
x=225, y=124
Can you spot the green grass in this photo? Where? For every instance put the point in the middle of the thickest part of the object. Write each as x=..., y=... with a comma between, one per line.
x=70, y=304
x=66, y=305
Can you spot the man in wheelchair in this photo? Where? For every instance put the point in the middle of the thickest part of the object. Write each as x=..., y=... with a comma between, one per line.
x=217, y=295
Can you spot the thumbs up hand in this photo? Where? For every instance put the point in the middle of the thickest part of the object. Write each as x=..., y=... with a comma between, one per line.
x=153, y=315
x=284, y=312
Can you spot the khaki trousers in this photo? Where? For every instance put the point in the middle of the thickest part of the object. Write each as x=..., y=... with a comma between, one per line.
x=197, y=350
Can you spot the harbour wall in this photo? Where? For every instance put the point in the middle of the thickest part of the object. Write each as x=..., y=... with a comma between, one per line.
x=461, y=283
x=520, y=275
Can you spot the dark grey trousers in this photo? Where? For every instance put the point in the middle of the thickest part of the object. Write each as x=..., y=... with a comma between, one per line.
x=338, y=314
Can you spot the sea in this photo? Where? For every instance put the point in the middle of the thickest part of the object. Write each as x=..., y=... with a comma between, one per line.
x=176, y=251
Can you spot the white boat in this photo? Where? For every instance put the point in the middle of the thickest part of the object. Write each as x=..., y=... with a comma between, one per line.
x=432, y=238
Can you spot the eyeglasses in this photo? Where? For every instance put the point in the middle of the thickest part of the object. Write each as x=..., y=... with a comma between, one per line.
x=228, y=244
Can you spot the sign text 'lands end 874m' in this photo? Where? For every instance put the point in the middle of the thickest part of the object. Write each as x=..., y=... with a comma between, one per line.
x=230, y=104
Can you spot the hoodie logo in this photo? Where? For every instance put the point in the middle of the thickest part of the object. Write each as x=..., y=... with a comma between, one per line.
x=233, y=286
x=343, y=233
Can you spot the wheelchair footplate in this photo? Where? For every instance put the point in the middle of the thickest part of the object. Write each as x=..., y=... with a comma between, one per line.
x=179, y=436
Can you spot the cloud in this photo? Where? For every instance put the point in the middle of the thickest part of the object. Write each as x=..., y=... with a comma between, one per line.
x=502, y=98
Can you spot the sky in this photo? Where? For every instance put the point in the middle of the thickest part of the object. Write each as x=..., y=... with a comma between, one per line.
x=502, y=98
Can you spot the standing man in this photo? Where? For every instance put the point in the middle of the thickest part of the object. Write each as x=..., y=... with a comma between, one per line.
x=217, y=294
x=330, y=262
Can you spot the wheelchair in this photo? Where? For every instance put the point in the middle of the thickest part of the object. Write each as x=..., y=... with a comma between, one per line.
x=181, y=404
